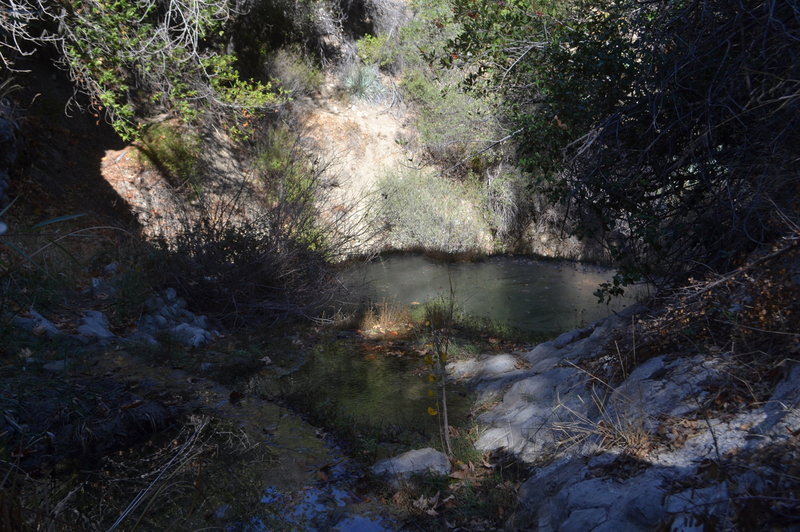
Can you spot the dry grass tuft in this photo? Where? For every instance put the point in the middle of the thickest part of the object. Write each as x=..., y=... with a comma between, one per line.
x=385, y=317
x=620, y=426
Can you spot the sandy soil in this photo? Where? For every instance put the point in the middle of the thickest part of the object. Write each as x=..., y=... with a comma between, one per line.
x=364, y=140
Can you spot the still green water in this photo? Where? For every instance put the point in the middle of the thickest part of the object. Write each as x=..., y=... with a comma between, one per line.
x=383, y=396
x=347, y=384
x=523, y=293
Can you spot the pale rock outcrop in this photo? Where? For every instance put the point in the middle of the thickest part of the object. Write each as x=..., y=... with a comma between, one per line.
x=587, y=483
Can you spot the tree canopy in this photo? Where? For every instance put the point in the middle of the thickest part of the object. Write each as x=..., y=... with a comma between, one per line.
x=128, y=54
x=670, y=128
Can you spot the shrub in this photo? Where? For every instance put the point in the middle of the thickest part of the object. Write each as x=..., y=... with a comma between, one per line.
x=272, y=259
x=363, y=82
x=280, y=159
x=374, y=51
x=451, y=123
x=164, y=50
x=677, y=159
x=426, y=34
x=506, y=201
x=294, y=71
x=428, y=211
x=175, y=152
x=240, y=269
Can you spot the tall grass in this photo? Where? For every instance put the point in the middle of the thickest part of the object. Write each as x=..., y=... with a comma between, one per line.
x=423, y=210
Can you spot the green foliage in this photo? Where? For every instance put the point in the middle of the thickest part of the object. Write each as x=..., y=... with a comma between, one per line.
x=504, y=48
x=294, y=72
x=121, y=50
x=291, y=181
x=451, y=122
x=422, y=210
x=363, y=82
x=672, y=153
x=426, y=34
x=234, y=91
x=175, y=152
x=286, y=171
x=374, y=50
x=419, y=88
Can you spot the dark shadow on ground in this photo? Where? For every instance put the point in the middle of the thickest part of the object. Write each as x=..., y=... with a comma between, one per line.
x=58, y=172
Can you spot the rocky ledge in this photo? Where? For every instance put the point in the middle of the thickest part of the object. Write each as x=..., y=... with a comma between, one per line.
x=666, y=446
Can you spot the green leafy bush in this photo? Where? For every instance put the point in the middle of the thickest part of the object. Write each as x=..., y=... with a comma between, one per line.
x=677, y=160
x=451, y=123
x=373, y=50
x=116, y=50
x=425, y=35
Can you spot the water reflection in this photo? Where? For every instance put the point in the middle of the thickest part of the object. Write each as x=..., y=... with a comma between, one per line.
x=374, y=393
x=547, y=297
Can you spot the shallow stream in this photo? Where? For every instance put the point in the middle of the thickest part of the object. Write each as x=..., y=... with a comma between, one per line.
x=380, y=390
x=376, y=390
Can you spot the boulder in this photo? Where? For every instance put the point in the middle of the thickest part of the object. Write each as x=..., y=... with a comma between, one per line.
x=37, y=324
x=191, y=335
x=95, y=325
x=401, y=467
